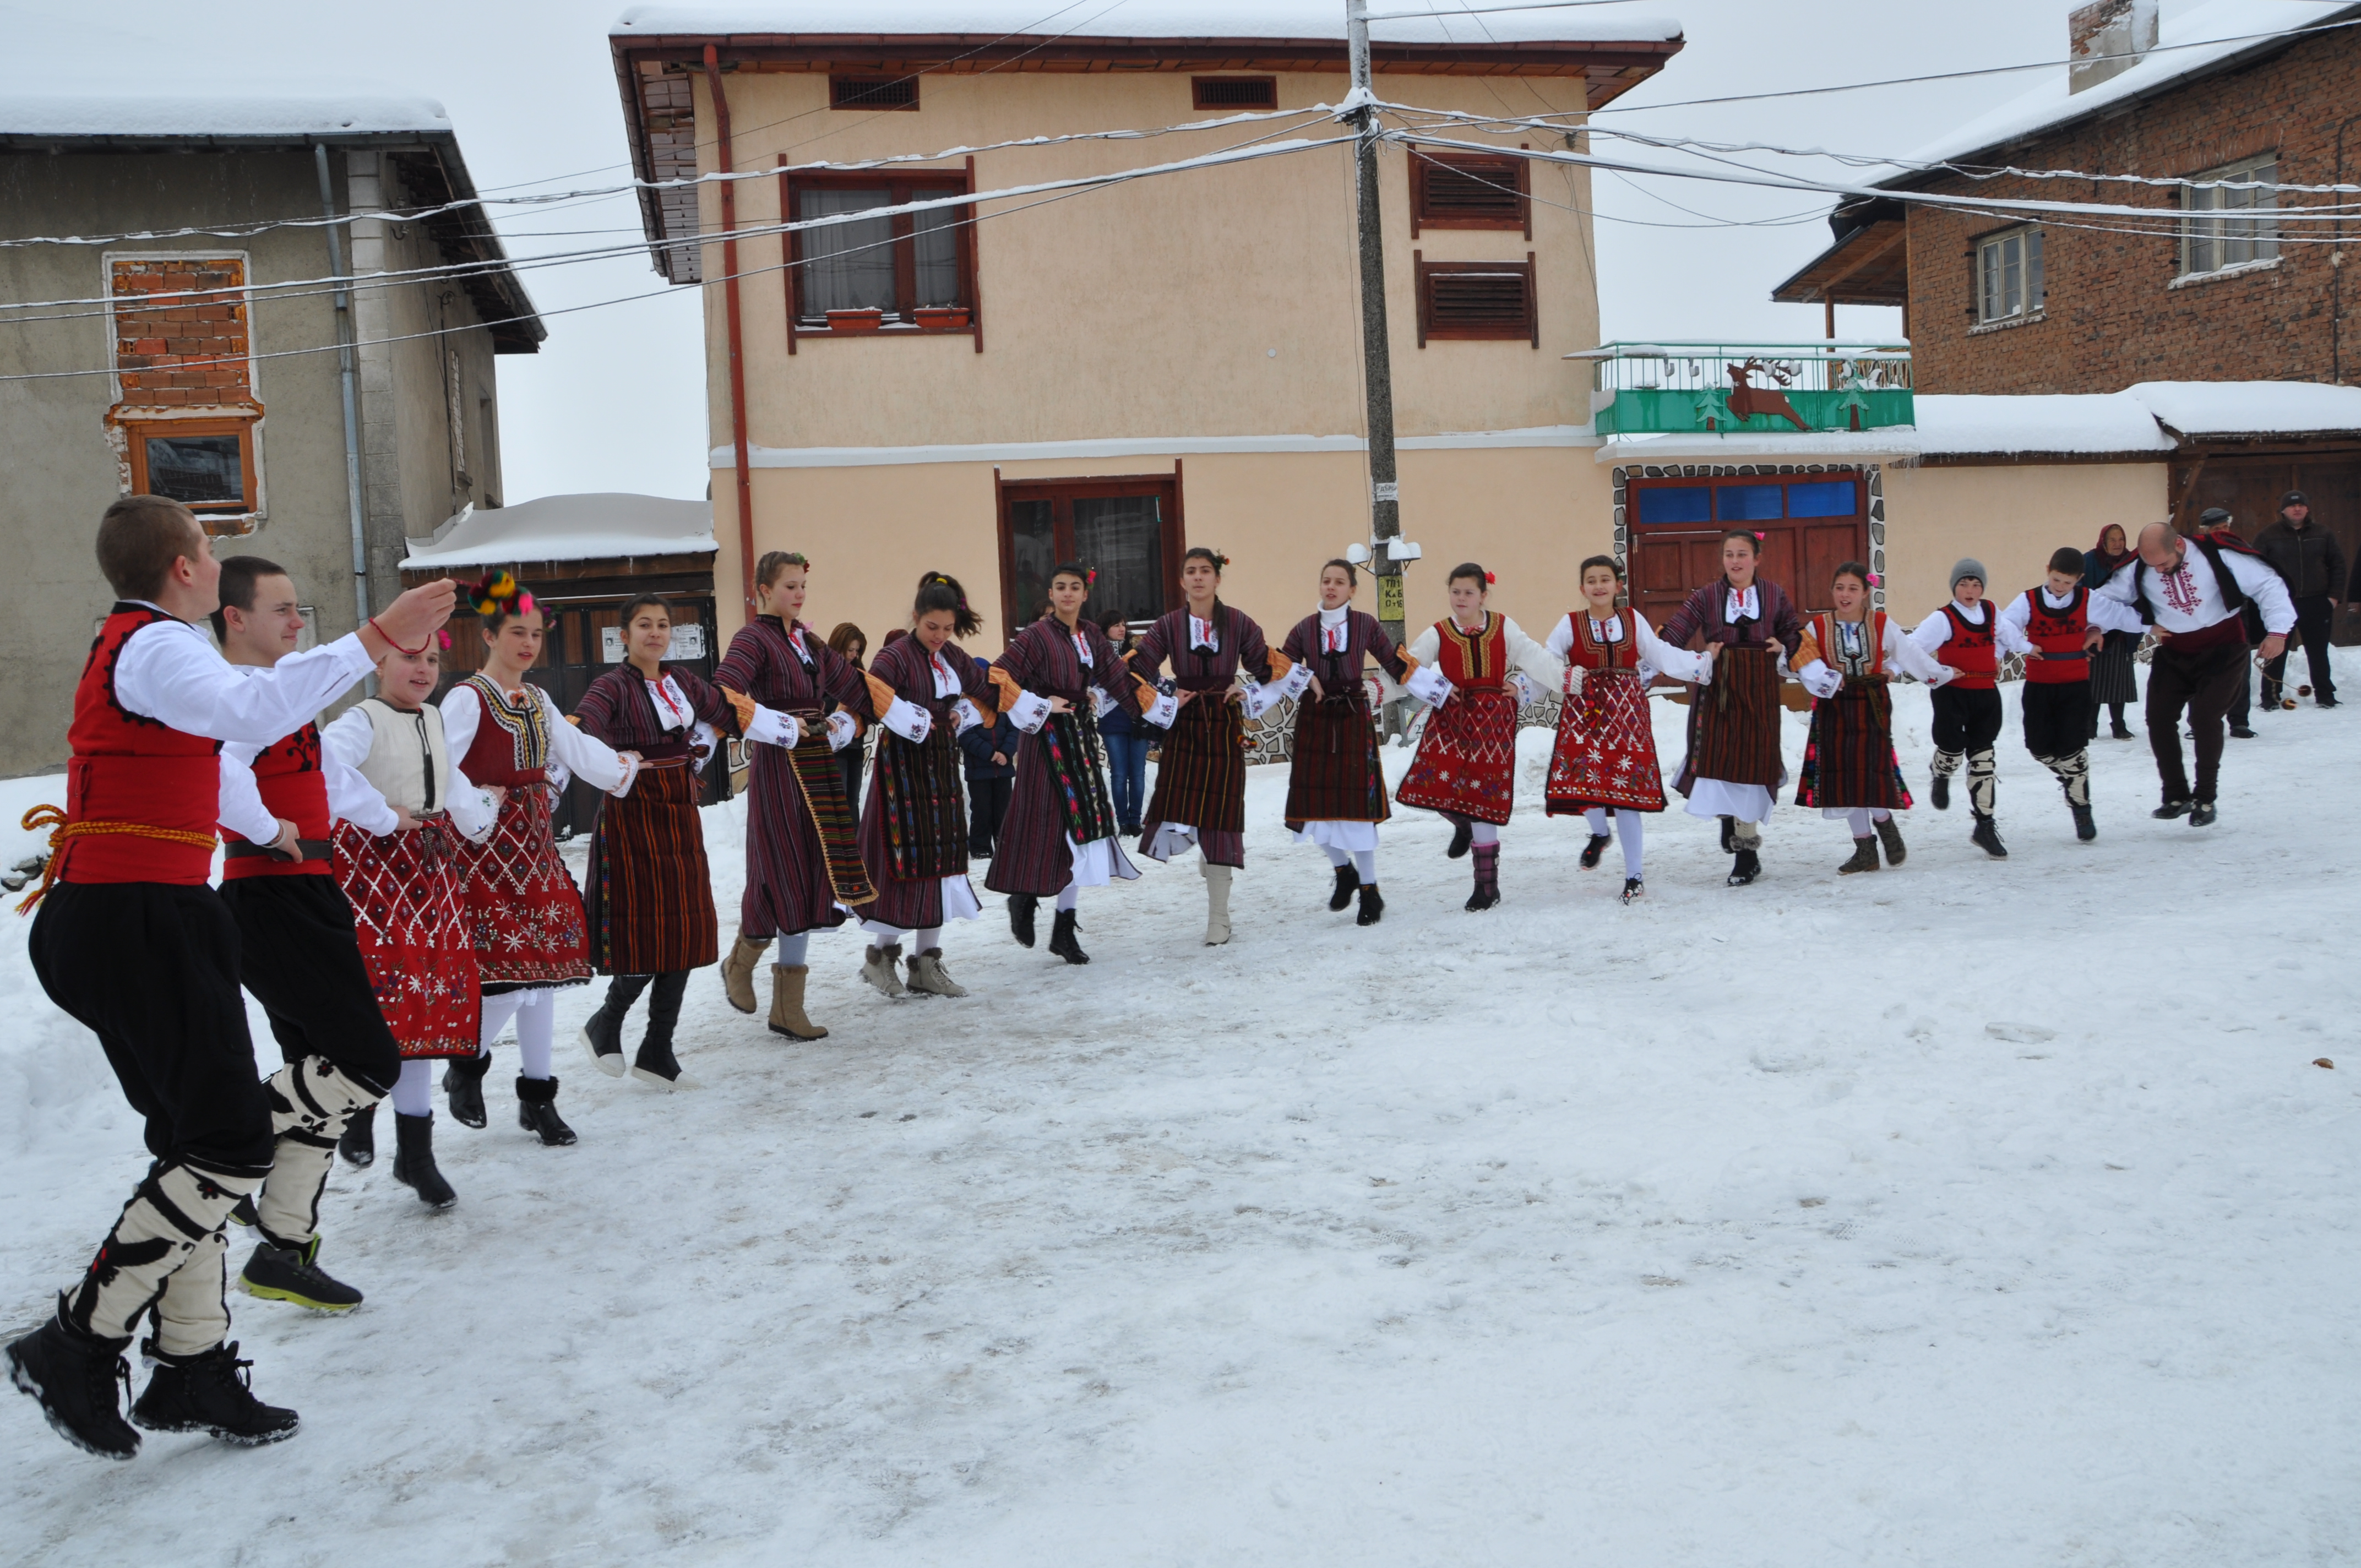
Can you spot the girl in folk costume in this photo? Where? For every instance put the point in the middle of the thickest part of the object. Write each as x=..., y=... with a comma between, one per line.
x=924, y=689
x=524, y=909
x=408, y=908
x=1055, y=680
x=648, y=894
x=2065, y=623
x=1473, y=667
x=1336, y=790
x=1201, y=785
x=2114, y=683
x=1605, y=760
x=1850, y=770
x=1968, y=637
x=1733, y=763
x=803, y=858
x=852, y=645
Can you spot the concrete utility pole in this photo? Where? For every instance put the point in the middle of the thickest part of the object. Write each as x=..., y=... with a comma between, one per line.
x=1377, y=359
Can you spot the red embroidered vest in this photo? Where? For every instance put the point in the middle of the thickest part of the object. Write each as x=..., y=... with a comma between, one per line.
x=287, y=774
x=130, y=769
x=1971, y=650
x=2059, y=634
x=512, y=743
x=1589, y=654
x=1474, y=661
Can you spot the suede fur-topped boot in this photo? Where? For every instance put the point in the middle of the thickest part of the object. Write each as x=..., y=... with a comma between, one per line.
x=928, y=976
x=738, y=968
x=787, y=1003
x=1864, y=857
x=881, y=968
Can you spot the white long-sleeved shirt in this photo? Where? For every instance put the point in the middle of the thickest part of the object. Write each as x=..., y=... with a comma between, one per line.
x=1930, y=634
x=352, y=738
x=350, y=796
x=1539, y=666
x=2189, y=598
x=2105, y=614
x=1901, y=651
x=171, y=671
x=1657, y=657
x=571, y=752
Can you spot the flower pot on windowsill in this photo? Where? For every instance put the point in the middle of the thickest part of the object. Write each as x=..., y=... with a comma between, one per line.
x=855, y=321
x=941, y=318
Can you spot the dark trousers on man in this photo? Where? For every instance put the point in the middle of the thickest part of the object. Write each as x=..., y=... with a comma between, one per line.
x=987, y=804
x=2207, y=684
x=2314, y=616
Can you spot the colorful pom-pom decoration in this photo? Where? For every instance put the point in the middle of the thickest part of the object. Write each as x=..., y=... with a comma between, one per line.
x=1490, y=580
x=1876, y=581
x=443, y=640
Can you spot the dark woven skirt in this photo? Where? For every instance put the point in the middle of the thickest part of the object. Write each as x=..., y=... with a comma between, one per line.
x=1734, y=722
x=650, y=895
x=1336, y=776
x=1850, y=762
x=2113, y=679
x=914, y=828
x=1201, y=780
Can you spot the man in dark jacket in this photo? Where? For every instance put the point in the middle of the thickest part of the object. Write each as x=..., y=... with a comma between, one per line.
x=989, y=757
x=2311, y=561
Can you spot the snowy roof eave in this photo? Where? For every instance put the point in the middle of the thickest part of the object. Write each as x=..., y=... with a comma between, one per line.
x=1170, y=21
x=599, y=526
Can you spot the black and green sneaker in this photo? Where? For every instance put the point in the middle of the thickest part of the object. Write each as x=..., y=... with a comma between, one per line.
x=293, y=1274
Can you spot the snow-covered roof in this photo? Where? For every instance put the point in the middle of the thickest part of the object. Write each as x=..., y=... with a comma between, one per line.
x=594, y=527
x=2079, y=423
x=2189, y=43
x=44, y=106
x=2251, y=408
x=1134, y=19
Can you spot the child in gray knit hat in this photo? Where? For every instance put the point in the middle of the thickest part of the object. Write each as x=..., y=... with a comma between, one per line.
x=1968, y=637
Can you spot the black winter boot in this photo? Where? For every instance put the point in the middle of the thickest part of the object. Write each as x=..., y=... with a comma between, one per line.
x=1348, y=878
x=1986, y=837
x=2085, y=829
x=1488, y=879
x=1889, y=833
x=358, y=1143
x=537, y=1112
x=74, y=1376
x=277, y=1272
x=1745, y=868
x=1594, y=849
x=1864, y=857
x=1729, y=834
x=413, y=1160
x=1463, y=833
x=463, y=1081
x=1373, y=905
x=209, y=1392
x=655, y=1063
x=1061, y=939
x=2202, y=813
x=1939, y=792
x=603, y=1032
x=1021, y=908
x=2170, y=809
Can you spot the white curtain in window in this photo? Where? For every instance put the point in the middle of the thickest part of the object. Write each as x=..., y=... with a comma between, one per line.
x=847, y=267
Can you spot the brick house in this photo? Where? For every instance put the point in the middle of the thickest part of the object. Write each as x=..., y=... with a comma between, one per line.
x=2239, y=94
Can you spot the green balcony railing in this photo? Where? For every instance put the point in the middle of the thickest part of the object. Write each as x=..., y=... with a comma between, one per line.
x=1685, y=388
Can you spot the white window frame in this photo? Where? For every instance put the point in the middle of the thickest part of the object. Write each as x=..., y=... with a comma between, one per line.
x=2226, y=243
x=2009, y=281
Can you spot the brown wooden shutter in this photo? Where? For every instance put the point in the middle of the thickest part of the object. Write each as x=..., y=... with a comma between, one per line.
x=1467, y=190
x=1477, y=300
x=1234, y=92
x=873, y=92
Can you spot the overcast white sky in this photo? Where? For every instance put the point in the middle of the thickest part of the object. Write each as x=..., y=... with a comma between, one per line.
x=613, y=400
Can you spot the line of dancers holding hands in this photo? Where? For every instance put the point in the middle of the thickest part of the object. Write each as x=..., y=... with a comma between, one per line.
x=392, y=892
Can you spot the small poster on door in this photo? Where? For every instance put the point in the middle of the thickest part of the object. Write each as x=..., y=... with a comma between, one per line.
x=687, y=642
x=611, y=644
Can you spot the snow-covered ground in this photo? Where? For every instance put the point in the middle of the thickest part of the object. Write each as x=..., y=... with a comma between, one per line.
x=1975, y=1213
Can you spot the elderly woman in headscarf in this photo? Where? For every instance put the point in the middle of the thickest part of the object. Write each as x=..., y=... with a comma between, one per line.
x=2113, y=685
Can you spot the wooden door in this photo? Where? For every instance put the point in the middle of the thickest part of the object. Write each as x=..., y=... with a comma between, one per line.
x=1810, y=524
x=1129, y=531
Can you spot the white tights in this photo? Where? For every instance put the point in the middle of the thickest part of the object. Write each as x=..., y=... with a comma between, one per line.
x=1860, y=817
x=1483, y=833
x=1069, y=898
x=1365, y=862
x=413, y=1092
x=920, y=941
x=793, y=950
x=1631, y=832
x=535, y=1013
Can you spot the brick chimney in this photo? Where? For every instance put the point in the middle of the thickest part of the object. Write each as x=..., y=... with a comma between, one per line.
x=2123, y=28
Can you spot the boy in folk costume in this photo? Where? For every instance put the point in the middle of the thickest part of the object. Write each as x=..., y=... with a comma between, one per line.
x=134, y=943
x=1055, y=679
x=790, y=691
x=1335, y=788
x=1604, y=764
x=1850, y=769
x=297, y=950
x=531, y=937
x=1475, y=669
x=2065, y=624
x=1968, y=638
x=1751, y=629
x=1200, y=784
x=924, y=690
x=410, y=910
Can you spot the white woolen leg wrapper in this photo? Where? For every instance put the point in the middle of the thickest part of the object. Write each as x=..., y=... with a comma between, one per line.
x=1483, y=833
x=1071, y=898
x=536, y=1024
x=172, y=1224
x=192, y=1314
x=413, y=1092
x=793, y=951
x=311, y=1101
x=1746, y=835
x=1630, y=833
x=1364, y=866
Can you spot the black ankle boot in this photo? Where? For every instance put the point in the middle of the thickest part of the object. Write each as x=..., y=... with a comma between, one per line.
x=1062, y=939
x=1939, y=792
x=1021, y=908
x=208, y=1392
x=1745, y=868
x=2085, y=829
x=1986, y=836
x=463, y=1081
x=603, y=1034
x=1864, y=857
x=1463, y=833
x=358, y=1143
x=1592, y=851
x=1348, y=878
x=1373, y=905
x=413, y=1160
x=276, y=1273
x=74, y=1377
x=537, y=1111
x=655, y=1063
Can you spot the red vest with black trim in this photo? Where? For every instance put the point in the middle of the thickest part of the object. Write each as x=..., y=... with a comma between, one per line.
x=1588, y=652
x=287, y=774
x=2059, y=634
x=1474, y=661
x=1971, y=650
x=130, y=769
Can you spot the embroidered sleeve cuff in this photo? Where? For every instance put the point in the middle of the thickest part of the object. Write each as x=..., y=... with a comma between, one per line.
x=1028, y=712
x=1820, y=679
x=843, y=730
x=1428, y=687
x=908, y=721
x=1163, y=710
x=965, y=716
x=771, y=726
x=1101, y=704
x=631, y=773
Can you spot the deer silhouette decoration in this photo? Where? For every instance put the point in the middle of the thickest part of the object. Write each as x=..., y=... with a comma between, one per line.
x=1746, y=400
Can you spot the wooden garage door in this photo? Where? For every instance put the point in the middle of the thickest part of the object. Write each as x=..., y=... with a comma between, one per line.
x=2249, y=487
x=1810, y=524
